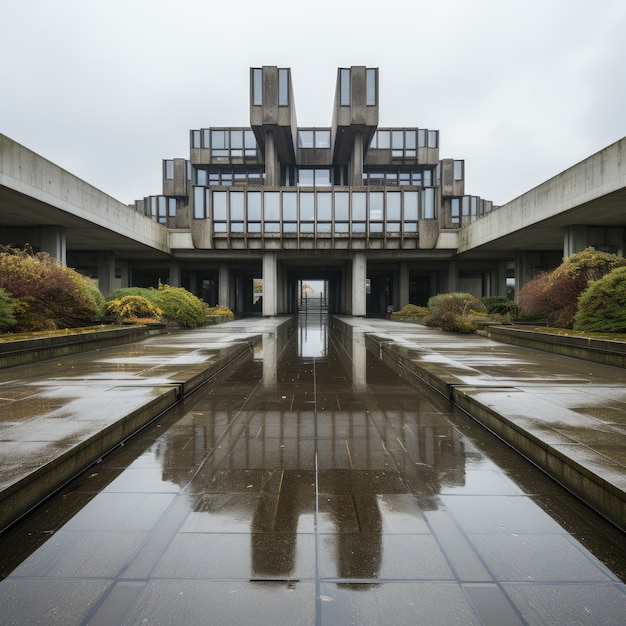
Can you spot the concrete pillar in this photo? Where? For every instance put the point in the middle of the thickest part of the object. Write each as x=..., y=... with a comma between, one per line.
x=525, y=263
x=223, y=287
x=359, y=275
x=174, y=274
x=124, y=275
x=270, y=284
x=575, y=239
x=501, y=279
x=53, y=242
x=404, y=284
x=453, y=277
x=356, y=164
x=272, y=171
x=106, y=272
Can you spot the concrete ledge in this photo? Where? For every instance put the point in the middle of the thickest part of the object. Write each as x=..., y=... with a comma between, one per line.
x=547, y=453
x=33, y=350
x=33, y=471
x=602, y=351
x=38, y=484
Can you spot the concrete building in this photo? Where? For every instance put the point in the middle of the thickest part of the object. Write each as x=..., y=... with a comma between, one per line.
x=256, y=211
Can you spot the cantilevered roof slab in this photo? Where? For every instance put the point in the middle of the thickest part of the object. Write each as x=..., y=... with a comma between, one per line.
x=592, y=192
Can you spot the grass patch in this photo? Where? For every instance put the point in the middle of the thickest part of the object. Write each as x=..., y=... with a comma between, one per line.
x=568, y=332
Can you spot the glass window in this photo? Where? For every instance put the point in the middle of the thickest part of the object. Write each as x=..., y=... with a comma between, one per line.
x=172, y=207
x=322, y=139
x=307, y=207
x=341, y=227
x=458, y=170
x=344, y=87
x=342, y=206
x=257, y=86
x=307, y=227
x=195, y=139
x=219, y=206
x=254, y=206
x=410, y=227
x=324, y=207
x=236, y=205
x=397, y=140
x=305, y=139
x=428, y=209
x=290, y=206
x=383, y=141
x=236, y=143
x=410, y=140
x=199, y=207
x=359, y=203
x=393, y=206
x=324, y=227
x=358, y=227
x=421, y=138
x=306, y=177
x=283, y=87
x=201, y=176
x=370, y=87
x=271, y=227
x=410, y=205
x=271, y=206
x=206, y=138
x=290, y=227
x=254, y=227
x=377, y=205
x=432, y=139
x=169, y=170
x=322, y=178
x=219, y=140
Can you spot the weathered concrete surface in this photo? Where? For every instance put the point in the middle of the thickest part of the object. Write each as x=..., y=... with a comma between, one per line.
x=566, y=415
x=34, y=350
x=59, y=416
x=602, y=351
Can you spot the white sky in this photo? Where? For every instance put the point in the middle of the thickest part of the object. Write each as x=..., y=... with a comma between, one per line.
x=108, y=88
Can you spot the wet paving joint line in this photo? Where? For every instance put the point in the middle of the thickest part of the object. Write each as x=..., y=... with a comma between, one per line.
x=318, y=586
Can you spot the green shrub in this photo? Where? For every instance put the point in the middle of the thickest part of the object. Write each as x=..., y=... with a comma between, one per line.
x=602, y=306
x=500, y=305
x=46, y=294
x=221, y=310
x=410, y=310
x=132, y=308
x=181, y=306
x=7, y=311
x=149, y=293
x=455, y=312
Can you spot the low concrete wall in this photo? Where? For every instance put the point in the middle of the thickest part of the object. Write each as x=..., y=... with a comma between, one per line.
x=602, y=351
x=33, y=350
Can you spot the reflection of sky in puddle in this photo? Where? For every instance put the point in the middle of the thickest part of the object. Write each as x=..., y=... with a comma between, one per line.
x=313, y=338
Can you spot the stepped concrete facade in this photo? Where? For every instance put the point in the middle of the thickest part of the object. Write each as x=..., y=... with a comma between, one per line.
x=255, y=211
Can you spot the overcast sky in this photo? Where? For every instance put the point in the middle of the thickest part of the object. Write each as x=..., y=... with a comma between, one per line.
x=108, y=88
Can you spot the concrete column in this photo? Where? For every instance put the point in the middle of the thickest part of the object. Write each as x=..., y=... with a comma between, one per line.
x=125, y=275
x=174, y=274
x=575, y=239
x=453, y=277
x=501, y=279
x=223, y=287
x=524, y=263
x=272, y=173
x=404, y=284
x=270, y=284
x=356, y=163
x=53, y=242
x=359, y=275
x=106, y=272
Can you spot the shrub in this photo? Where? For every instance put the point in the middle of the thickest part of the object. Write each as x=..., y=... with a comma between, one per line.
x=455, y=312
x=7, y=311
x=47, y=295
x=221, y=310
x=181, y=306
x=132, y=308
x=602, y=307
x=149, y=293
x=554, y=295
x=500, y=305
x=411, y=310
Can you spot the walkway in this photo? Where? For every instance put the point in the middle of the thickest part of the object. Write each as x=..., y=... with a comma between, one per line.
x=298, y=491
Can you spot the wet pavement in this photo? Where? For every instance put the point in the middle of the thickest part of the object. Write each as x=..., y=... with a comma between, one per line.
x=305, y=488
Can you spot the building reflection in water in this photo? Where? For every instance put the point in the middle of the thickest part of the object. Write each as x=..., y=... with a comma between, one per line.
x=295, y=464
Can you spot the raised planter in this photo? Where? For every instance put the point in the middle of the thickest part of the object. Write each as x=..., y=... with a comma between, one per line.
x=40, y=348
x=604, y=351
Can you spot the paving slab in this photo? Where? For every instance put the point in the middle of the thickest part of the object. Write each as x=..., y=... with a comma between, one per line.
x=59, y=416
x=567, y=415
